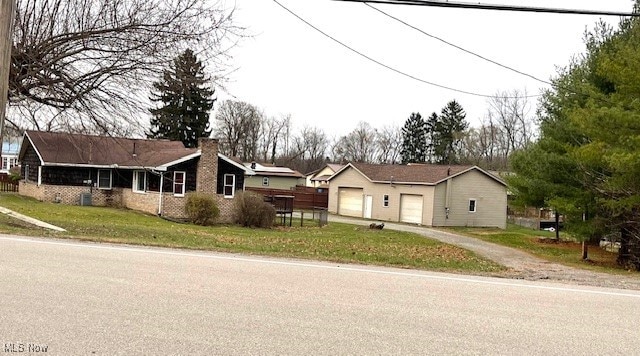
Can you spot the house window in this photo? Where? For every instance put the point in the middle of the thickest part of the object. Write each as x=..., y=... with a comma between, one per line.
x=178, y=183
x=265, y=181
x=105, y=179
x=5, y=163
x=139, y=181
x=385, y=201
x=472, y=205
x=229, y=185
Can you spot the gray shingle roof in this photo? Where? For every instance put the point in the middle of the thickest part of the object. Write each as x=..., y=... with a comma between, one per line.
x=412, y=173
x=76, y=149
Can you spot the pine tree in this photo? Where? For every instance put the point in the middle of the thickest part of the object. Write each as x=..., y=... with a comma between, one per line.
x=449, y=130
x=432, y=136
x=414, y=144
x=186, y=100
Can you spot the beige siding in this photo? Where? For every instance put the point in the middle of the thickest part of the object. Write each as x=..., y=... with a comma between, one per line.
x=274, y=182
x=490, y=196
x=350, y=178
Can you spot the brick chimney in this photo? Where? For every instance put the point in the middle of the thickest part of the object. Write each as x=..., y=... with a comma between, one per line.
x=207, y=177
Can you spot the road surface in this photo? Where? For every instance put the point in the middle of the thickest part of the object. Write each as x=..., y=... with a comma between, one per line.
x=92, y=299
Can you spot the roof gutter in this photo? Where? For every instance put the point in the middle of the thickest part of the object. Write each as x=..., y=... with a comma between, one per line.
x=103, y=166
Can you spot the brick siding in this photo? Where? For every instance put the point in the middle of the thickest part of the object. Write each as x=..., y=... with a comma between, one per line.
x=207, y=176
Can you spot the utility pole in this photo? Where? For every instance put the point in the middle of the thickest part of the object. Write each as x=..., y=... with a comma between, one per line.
x=7, y=15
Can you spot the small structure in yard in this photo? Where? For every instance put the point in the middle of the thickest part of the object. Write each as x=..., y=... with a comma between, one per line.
x=152, y=176
x=283, y=205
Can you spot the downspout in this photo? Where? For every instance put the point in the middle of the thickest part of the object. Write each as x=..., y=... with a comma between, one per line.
x=161, y=195
x=447, y=198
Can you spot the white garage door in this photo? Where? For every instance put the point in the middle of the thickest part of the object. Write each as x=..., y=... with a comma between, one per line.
x=411, y=208
x=350, y=202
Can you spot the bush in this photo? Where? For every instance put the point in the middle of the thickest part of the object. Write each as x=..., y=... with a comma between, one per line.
x=14, y=173
x=250, y=210
x=201, y=208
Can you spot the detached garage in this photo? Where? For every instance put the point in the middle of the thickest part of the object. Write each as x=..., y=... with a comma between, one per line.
x=350, y=202
x=424, y=194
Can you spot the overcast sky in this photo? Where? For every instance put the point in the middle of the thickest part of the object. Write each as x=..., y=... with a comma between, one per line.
x=289, y=68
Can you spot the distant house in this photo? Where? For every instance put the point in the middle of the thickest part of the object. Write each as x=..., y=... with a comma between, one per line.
x=432, y=195
x=10, y=150
x=272, y=177
x=320, y=177
x=147, y=175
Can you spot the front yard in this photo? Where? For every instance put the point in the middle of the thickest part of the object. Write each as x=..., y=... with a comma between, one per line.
x=335, y=242
x=542, y=244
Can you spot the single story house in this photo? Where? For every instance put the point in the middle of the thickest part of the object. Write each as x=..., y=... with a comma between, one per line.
x=320, y=177
x=431, y=195
x=141, y=174
x=270, y=176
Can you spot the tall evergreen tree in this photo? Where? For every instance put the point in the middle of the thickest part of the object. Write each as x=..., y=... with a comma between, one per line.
x=432, y=135
x=185, y=99
x=449, y=130
x=414, y=144
x=586, y=162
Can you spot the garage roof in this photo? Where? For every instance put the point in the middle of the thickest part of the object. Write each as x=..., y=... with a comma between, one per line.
x=412, y=173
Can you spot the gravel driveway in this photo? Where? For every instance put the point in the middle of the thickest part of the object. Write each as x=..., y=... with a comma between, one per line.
x=521, y=264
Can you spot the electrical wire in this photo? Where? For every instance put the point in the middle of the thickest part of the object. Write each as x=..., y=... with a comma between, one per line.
x=388, y=66
x=460, y=48
x=553, y=85
x=496, y=7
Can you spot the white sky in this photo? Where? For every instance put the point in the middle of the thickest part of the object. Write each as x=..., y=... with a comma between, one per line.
x=287, y=67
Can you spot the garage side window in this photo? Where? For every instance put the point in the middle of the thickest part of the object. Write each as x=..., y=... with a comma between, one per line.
x=472, y=205
x=385, y=201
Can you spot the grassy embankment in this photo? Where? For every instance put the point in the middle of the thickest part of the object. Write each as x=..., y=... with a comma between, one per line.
x=335, y=242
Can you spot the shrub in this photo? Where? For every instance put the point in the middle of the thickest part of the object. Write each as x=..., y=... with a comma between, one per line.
x=250, y=210
x=14, y=173
x=201, y=208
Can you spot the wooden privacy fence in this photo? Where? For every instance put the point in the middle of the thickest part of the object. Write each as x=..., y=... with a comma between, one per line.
x=7, y=184
x=307, y=198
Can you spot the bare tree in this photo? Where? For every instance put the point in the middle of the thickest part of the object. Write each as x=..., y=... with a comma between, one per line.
x=308, y=150
x=358, y=146
x=389, y=145
x=273, y=134
x=237, y=126
x=510, y=112
x=87, y=65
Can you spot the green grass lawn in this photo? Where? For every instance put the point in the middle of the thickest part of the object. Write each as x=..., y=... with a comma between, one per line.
x=334, y=242
x=567, y=251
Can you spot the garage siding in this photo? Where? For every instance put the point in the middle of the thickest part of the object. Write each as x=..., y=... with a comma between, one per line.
x=490, y=196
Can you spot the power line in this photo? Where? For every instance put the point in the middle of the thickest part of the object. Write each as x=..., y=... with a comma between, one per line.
x=388, y=66
x=479, y=6
x=553, y=85
x=458, y=47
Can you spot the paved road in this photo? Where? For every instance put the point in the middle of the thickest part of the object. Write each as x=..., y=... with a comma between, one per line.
x=84, y=298
x=522, y=264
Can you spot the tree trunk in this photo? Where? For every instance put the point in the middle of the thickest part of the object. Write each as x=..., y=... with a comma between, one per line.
x=7, y=13
x=585, y=250
x=557, y=226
